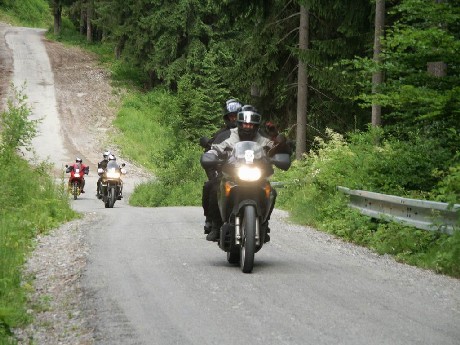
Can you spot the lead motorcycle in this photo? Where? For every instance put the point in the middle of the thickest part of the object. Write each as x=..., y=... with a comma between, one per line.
x=245, y=199
x=111, y=183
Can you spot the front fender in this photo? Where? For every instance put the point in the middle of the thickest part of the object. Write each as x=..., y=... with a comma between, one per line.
x=237, y=209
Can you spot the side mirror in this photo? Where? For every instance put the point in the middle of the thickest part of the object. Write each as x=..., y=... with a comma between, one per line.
x=209, y=160
x=281, y=161
x=66, y=165
x=123, y=164
x=204, y=142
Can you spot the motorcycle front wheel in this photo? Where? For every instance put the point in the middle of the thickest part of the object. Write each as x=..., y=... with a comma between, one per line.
x=111, y=197
x=248, y=245
x=75, y=190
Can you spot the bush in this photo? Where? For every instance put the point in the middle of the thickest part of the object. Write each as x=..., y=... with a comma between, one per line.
x=392, y=167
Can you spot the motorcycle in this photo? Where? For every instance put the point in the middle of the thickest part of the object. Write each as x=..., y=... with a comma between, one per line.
x=111, y=183
x=246, y=199
x=76, y=179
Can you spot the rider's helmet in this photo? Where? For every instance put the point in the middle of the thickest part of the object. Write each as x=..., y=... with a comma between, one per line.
x=111, y=157
x=248, y=121
x=106, y=155
x=231, y=108
x=78, y=160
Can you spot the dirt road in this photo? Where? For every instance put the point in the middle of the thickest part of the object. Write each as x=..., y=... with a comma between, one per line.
x=135, y=276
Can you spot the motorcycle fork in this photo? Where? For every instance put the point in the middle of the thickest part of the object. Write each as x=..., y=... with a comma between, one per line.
x=238, y=235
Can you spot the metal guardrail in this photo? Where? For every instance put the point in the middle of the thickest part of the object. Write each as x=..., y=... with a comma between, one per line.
x=422, y=214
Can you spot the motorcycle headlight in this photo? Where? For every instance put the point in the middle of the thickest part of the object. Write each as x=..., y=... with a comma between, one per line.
x=249, y=173
x=113, y=174
x=77, y=175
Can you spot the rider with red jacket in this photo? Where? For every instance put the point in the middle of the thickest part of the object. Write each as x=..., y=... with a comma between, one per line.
x=83, y=168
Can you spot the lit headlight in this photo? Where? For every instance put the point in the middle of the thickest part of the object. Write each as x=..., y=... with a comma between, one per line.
x=113, y=174
x=249, y=174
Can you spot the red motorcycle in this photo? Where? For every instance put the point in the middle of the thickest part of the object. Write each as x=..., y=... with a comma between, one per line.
x=76, y=180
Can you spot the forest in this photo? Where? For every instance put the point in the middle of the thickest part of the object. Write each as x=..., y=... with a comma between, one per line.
x=367, y=91
x=387, y=64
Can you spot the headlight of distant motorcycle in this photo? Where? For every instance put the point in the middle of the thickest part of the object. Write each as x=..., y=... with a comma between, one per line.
x=249, y=173
x=113, y=174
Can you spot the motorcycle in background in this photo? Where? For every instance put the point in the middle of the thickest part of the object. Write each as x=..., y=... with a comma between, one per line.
x=76, y=179
x=111, y=182
x=246, y=199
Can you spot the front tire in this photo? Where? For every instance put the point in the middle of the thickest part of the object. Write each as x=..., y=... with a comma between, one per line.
x=111, y=197
x=75, y=190
x=248, y=246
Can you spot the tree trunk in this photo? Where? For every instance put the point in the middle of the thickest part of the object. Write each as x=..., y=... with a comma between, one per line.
x=377, y=77
x=302, y=86
x=57, y=11
x=82, y=17
x=437, y=68
x=89, y=17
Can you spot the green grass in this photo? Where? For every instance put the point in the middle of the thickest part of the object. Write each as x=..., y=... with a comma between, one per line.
x=30, y=204
x=151, y=135
x=30, y=13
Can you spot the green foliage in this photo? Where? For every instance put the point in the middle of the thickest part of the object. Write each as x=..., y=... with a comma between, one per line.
x=152, y=135
x=16, y=129
x=430, y=250
x=423, y=32
x=392, y=167
x=30, y=204
x=448, y=188
x=209, y=51
x=34, y=13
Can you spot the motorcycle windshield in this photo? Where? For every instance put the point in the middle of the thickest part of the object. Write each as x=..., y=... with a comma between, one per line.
x=248, y=151
x=112, y=165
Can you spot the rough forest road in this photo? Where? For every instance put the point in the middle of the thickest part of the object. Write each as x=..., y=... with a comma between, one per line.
x=132, y=275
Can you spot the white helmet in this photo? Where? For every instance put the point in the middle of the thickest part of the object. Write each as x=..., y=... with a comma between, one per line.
x=111, y=157
x=106, y=155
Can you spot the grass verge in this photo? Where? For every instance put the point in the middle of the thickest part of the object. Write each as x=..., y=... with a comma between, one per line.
x=31, y=203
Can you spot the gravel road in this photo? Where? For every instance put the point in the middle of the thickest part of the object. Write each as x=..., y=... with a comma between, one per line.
x=147, y=276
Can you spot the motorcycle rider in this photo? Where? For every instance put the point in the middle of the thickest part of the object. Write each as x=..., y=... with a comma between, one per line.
x=102, y=165
x=230, y=111
x=112, y=158
x=78, y=165
x=248, y=123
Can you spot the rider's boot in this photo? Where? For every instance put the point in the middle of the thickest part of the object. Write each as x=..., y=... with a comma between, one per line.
x=267, y=236
x=214, y=235
x=207, y=225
